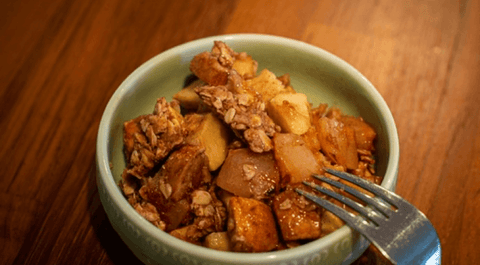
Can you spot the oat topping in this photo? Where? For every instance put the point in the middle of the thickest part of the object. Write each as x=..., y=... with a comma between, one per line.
x=201, y=197
x=249, y=171
x=165, y=188
x=225, y=55
x=245, y=113
x=286, y=204
x=149, y=212
x=149, y=138
x=210, y=214
x=214, y=67
x=229, y=115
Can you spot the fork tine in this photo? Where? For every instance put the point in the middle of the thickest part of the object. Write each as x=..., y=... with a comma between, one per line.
x=355, y=222
x=384, y=209
x=407, y=236
x=378, y=190
x=366, y=212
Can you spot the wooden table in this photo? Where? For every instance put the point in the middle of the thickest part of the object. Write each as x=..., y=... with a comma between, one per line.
x=62, y=60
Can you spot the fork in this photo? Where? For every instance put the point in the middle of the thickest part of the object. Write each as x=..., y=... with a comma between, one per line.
x=400, y=231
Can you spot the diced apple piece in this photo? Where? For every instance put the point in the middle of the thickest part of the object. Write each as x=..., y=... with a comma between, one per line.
x=291, y=112
x=181, y=233
x=311, y=139
x=209, y=132
x=207, y=67
x=295, y=160
x=249, y=174
x=175, y=213
x=245, y=65
x=364, y=133
x=350, y=150
x=184, y=171
x=251, y=226
x=218, y=241
x=189, y=233
x=188, y=98
x=338, y=142
x=296, y=222
x=267, y=84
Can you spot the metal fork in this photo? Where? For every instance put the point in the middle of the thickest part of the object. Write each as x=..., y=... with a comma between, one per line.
x=402, y=233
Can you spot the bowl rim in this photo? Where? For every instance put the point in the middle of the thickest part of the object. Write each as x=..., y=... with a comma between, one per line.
x=108, y=181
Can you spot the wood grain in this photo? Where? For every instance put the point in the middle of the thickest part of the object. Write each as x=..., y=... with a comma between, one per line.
x=62, y=60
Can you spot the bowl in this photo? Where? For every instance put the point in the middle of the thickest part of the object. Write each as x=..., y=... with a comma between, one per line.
x=322, y=76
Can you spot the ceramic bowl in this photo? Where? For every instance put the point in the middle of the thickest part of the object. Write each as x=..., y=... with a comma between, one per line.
x=323, y=77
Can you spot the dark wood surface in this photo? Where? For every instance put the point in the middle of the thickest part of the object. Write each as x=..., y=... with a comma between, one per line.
x=62, y=60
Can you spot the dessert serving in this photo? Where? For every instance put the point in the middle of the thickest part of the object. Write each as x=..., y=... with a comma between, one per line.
x=217, y=166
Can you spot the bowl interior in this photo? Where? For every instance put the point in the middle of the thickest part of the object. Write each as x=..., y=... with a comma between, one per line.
x=323, y=77
x=320, y=78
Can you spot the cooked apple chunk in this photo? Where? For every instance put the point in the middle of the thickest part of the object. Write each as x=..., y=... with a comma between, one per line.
x=364, y=133
x=291, y=112
x=209, y=132
x=245, y=65
x=295, y=160
x=338, y=142
x=297, y=217
x=251, y=226
x=218, y=241
x=214, y=67
x=249, y=174
x=267, y=84
x=188, y=98
x=183, y=171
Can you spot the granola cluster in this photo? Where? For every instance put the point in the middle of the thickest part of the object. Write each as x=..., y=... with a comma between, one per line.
x=245, y=113
x=149, y=138
x=214, y=67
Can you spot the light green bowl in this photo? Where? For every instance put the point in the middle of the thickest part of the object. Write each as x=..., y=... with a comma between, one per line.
x=323, y=77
